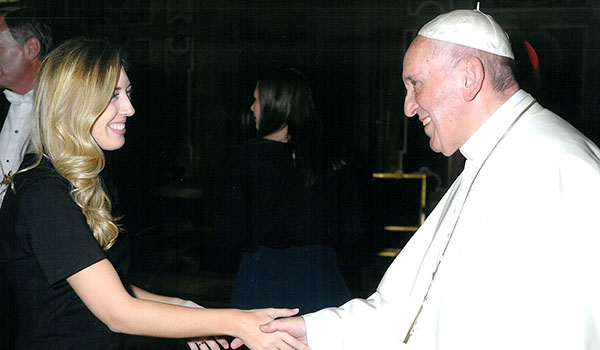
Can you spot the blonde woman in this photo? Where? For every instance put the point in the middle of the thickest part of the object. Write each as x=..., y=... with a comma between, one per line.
x=61, y=248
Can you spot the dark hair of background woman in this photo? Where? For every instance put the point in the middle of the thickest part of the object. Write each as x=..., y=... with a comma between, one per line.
x=286, y=99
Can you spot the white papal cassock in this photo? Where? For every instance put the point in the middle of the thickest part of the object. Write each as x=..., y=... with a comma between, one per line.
x=521, y=270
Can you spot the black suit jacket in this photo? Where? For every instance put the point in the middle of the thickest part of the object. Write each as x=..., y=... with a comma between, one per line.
x=4, y=105
x=7, y=307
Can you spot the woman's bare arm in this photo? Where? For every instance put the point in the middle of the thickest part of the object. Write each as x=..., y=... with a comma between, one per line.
x=100, y=288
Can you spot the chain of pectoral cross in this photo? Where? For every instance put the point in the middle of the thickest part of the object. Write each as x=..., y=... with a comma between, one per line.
x=412, y=326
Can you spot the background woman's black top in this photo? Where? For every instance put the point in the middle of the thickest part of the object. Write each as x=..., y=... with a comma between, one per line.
x=290, y=233
x=268, y=208
x=45, y=239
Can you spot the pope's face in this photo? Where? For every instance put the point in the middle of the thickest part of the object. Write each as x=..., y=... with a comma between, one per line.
x=433, y=93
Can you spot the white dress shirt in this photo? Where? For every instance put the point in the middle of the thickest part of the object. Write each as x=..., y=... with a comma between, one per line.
x=15, y=134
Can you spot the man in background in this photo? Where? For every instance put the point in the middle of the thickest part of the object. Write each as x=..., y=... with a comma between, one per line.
x=25, y=40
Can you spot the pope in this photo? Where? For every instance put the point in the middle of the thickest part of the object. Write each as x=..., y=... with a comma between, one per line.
x=507, y=259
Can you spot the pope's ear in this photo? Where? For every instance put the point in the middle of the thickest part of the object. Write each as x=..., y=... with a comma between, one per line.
x=473, y=78
x=32, y=48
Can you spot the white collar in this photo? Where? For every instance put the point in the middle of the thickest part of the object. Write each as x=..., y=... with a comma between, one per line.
x=481, y=142
x=16, y=99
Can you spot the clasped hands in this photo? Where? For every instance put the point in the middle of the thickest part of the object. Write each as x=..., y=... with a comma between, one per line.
x=289, y=330
x=260, y=329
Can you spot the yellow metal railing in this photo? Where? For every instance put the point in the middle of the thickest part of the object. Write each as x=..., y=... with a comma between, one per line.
x=399, y=175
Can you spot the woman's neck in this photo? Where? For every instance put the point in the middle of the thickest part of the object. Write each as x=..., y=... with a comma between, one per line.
x=280, y=135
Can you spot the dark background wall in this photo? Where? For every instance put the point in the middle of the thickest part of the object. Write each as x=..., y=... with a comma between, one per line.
x=194, y=64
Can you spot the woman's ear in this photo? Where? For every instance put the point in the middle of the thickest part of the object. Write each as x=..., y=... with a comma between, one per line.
x=32, y=48
x=473, y=78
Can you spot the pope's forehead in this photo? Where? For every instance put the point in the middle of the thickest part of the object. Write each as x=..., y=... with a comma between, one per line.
x=419, y=62
x=419, y=43
x=419, y=50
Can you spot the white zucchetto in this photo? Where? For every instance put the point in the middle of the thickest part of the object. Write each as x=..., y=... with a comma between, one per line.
x=471, y=28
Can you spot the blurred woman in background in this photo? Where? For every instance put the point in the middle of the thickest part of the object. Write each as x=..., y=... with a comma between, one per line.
x=291, y=204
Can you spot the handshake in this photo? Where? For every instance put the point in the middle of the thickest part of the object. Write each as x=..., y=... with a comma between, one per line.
x=286, y=333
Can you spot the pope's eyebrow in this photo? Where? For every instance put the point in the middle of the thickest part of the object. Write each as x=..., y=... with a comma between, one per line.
x=410, y=79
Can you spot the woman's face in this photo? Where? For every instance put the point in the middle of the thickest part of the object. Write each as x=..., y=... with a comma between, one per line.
x=109, y=129
x=255, y=107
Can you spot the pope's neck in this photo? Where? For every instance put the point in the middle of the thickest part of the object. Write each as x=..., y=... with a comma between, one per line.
x=484, y=108
x=503, y=96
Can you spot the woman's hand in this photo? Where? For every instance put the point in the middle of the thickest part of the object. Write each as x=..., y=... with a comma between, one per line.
x=248, y=330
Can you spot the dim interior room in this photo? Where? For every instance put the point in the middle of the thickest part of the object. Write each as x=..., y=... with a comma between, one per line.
x=194, y=66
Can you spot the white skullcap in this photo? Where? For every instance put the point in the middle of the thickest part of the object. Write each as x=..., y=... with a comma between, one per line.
x=471, y=28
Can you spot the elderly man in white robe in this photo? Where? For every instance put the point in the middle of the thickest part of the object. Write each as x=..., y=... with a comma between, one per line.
x=509, y=257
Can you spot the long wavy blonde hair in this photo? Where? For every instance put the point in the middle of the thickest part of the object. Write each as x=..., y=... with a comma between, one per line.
x=73, y=87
